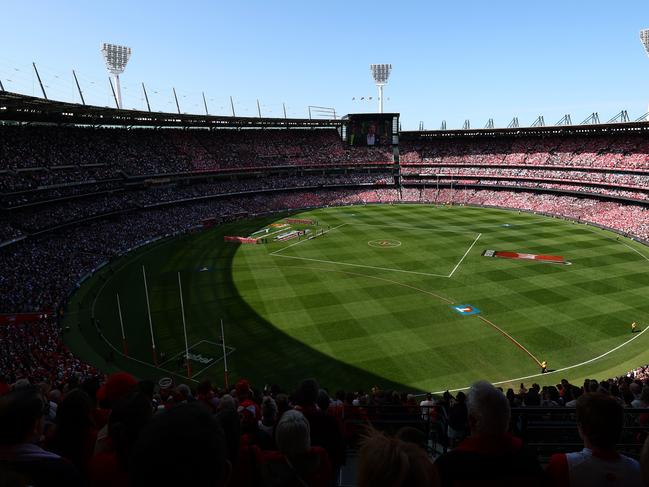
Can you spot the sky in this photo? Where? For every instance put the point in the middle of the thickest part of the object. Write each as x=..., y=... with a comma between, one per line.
x=451, y=61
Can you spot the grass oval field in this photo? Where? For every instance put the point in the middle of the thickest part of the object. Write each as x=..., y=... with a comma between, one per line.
x=428, y=314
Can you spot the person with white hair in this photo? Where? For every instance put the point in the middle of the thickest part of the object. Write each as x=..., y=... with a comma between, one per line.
x=297, y=463
x=490, y=456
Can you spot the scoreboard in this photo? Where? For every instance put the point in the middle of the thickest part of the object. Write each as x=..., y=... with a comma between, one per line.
x=371, y=129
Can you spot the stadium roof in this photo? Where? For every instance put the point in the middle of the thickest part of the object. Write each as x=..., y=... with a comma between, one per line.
x=22, y=108
x=15, y=107
x=590, y=129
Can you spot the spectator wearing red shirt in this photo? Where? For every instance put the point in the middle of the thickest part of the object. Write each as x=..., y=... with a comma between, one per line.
x=246, y=404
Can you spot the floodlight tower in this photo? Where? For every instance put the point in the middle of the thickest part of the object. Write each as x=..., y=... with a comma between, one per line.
x=380, y=73
x=116, y=58
x=644, y=37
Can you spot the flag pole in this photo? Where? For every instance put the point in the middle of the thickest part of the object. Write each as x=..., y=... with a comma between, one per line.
x=182, y=310
x=148, y=308
x=225, y=357
x=121, y=324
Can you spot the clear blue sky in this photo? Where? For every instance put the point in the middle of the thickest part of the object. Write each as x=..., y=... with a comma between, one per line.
x=452, y=60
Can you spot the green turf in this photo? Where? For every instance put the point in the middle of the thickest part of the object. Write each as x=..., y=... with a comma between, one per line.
x=355, y=314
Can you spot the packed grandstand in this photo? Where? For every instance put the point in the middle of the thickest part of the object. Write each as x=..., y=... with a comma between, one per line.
x=74, y=197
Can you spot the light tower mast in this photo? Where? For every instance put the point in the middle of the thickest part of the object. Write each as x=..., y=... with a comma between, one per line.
x=380, y=73
x=116, y=58
x=644, y=37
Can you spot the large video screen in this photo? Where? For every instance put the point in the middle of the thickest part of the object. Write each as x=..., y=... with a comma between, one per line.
x=369, y=130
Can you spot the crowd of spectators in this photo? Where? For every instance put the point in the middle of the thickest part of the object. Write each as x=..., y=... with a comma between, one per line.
x=93, y=166
x=37, y=273
x=33, y=351
x=9, y=233
x=40, y=217
x=629, y=219
x=84, y=428
x=633, y=186
x=39, y=157
x=614, y=152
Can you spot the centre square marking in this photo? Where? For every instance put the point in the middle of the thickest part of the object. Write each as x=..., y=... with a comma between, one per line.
x=466, y=309
x=384, y=243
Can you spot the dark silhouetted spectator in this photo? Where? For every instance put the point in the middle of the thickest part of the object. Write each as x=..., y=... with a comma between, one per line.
x=183, y=445
x=21, y=423
x=490, y=456
x=297, y=463
x=599, y=421
x=391, y=462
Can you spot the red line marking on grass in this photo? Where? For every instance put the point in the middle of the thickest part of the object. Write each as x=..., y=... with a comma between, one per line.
x=511, y=338
x=442, y=298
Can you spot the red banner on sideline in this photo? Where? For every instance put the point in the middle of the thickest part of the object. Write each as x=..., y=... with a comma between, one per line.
x=209, y=222
x=22, y=317
x=299, y=221
x=245, y=240
x=557, y=259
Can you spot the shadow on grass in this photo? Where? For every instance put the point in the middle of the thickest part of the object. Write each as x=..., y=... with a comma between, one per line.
x=264, y=354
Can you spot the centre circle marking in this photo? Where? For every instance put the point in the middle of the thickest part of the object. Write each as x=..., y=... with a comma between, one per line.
x=384, y=243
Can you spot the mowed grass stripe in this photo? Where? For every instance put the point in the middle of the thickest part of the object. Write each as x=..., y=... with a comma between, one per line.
x=291, y=319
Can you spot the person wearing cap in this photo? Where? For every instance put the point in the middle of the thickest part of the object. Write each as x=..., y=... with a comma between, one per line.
x=165, y=393
x=118, y=386
x=128, y=418
x=246, y=404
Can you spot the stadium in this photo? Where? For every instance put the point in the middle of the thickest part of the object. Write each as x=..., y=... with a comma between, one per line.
x=206, y=268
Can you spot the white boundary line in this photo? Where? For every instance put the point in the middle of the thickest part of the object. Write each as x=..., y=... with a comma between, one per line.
x=230, y=351
x=181, y=352
x=563, y=369
x=358, y=265
x=142, y=361
x=430, y=274
x=465, y=254
x=305, y=240
x=108, y=342
x=634, y=249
